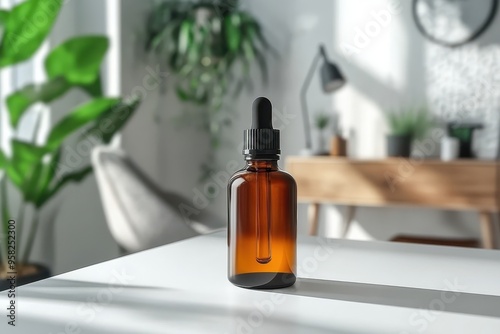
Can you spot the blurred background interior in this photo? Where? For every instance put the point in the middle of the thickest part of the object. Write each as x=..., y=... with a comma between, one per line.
x=122, y=120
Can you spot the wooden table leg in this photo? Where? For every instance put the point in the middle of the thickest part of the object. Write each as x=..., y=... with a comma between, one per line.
x=490, y=240
x=348, y=218
x=313, y=217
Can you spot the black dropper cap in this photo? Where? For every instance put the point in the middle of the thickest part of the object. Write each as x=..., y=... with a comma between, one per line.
x=261, y=141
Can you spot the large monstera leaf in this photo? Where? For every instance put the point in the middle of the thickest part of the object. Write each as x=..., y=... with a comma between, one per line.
x=24, y=29
x=74, y=64
x=38, y=172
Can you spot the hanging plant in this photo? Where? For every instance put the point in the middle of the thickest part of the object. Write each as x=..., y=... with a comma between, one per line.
x=210, y=46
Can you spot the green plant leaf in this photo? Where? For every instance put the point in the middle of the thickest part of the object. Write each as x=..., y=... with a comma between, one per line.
x=80, y=117
x=3, y=18
x=25, y=31
x=163, y=24
x=248, y=50
x=24, y=166
x=3, y=160
x=182, y=94
x=33, y=170
x=74, y=63
x=158, y=18
x=76, y=176
x=25, y=156
x=108, y=124
x=232, y=30
x=94, y=89
x=409, y=122
x=19, y=102
x=321, y=120
x=30, y=188
x=166, y=39
x=78, y=60
x=36, y=180
x=194, y=54
x=4, y=14
x=185, y=36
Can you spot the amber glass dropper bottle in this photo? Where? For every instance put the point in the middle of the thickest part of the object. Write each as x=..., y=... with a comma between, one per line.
x=262, y=210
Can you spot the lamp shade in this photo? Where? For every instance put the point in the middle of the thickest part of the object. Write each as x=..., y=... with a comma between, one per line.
x=331, y=77
x=331, y=80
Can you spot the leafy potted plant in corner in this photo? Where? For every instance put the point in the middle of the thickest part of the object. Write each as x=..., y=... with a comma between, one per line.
x=210, y=46
x=33, y=170
x=406, y=125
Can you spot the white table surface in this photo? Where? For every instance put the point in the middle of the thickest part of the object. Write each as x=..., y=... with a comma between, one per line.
x=343, y=287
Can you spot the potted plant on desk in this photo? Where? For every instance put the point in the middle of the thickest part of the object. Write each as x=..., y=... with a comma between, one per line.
x=321, y=121
x=36, y=172
x=406, y=125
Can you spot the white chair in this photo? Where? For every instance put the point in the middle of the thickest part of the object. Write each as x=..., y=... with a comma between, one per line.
x=139, y=214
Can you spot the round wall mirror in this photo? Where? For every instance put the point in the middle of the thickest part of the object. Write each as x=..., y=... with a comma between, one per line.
x=453, y=22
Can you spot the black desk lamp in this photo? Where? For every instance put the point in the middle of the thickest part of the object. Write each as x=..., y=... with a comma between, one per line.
x=331, y=80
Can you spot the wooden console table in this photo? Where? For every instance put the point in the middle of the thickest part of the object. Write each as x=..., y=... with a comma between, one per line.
x=456, y=185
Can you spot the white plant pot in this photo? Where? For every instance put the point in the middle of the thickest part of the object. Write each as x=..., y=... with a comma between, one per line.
x=450, y=148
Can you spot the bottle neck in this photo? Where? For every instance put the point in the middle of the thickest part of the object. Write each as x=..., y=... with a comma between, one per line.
x=262, y=165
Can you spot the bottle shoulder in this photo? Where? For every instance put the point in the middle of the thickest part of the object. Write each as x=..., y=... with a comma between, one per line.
x=287, y=175
x=238, y=174
x=244, y=175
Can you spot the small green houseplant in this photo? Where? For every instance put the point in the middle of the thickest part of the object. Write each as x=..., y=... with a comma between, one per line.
x=38, y=171
x=321, y=122
x=210, y=46
x=406, y=125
